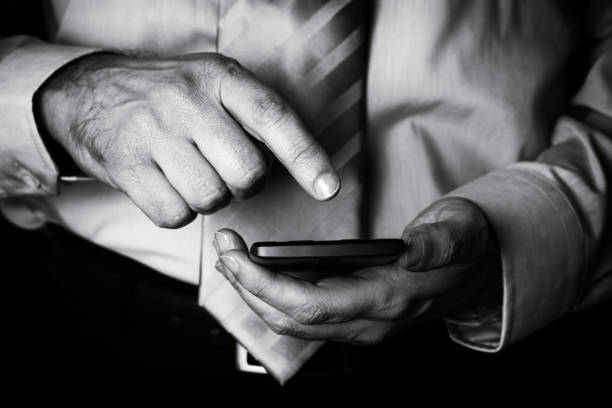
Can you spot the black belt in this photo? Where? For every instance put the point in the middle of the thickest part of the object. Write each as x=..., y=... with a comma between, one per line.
x=132, y=301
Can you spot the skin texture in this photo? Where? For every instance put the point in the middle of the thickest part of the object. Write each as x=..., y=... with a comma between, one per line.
x=179, y=136
x=450, y=260
x=185, y=135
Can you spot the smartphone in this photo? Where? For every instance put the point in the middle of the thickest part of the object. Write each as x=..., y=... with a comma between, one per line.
x=347, y=254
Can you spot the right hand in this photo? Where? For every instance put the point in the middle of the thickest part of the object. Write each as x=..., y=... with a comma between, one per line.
x=177, y=135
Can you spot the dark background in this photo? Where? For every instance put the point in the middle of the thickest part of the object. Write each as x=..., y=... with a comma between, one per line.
x=53, y=335
x=57, y=339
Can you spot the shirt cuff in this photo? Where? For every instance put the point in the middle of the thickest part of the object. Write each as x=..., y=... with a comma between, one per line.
x=540, y=239
x=26, y=168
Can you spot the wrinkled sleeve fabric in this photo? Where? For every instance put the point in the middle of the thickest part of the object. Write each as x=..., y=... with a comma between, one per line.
x=26, y=167
x=551, y=216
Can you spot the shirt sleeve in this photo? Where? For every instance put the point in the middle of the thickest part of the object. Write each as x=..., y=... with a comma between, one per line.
x=26, y=167
x=551, y=216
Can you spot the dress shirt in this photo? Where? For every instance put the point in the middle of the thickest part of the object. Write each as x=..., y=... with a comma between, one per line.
x=506, y=103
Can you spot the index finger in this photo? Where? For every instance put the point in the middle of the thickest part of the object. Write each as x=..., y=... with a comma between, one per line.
x=266, y=115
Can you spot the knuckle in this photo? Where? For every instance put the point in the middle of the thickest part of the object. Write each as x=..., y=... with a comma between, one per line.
x=131, y=156
x=230, y=66
x=198, y=76
x=205, y=192
x=211, y=199
x=255, y=172
x=259, y=289
x=251, y=176
x=167, y=91
x=282, y=327
x=395, y=310
x=269, y=110
x=214, y=69
x=302, y=152
x=393, y=299
x=176, y=94
x=141, y=117
x=312, y=313
x=173, y=216
x=129, y=162
x=140, y=122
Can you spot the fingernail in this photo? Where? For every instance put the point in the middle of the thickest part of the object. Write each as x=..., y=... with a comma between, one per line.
x=411, y=257
x=222, y=242
x=229, y=262
x=327, y=185
x=407, y=240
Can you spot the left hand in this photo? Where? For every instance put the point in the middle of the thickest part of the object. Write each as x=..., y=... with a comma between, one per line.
x=450, y=259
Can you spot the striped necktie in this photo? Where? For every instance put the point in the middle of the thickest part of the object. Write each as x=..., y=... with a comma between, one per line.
x=313, y=53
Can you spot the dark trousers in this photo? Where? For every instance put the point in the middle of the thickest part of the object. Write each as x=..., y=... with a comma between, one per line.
x=73, y=305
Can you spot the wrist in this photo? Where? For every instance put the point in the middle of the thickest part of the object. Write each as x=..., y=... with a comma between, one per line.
x=52, y=106
x=66, y=166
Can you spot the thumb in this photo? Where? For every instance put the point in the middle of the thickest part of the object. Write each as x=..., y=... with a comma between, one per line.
x=429, y=246
x=438, y=244
x=451, y=231
x=228, y=240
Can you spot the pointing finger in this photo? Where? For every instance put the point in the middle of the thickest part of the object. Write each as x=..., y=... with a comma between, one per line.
x=268, y=117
